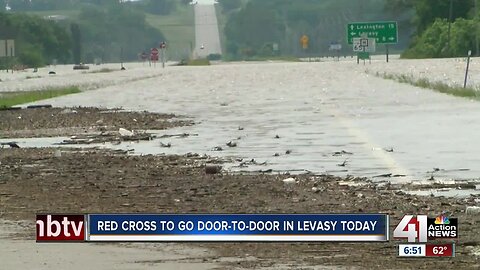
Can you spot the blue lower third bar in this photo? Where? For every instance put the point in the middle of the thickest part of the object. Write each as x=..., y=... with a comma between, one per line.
x=238, y=227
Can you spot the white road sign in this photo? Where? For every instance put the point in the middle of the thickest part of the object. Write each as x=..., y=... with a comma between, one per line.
x=364, y=44
x=7, y=48
x=335, y=47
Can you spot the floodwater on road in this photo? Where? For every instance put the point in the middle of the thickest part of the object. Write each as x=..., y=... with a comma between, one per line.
x=325, y=114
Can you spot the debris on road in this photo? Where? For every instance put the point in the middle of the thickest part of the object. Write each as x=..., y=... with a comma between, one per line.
x=181, y=135
x=231, y=144
x=343, y=164
x=53, y=122
x=181, y=184
x=250, y=162
x=341, y=153
x=11, y=144
x=472, y=210
x=125, y=133
x=289, y=180
x=165, y=145
x=213, y=169
x=103, y=137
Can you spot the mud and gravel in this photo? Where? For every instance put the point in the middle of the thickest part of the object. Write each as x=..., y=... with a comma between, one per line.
x=94, y=180
x=50, y=122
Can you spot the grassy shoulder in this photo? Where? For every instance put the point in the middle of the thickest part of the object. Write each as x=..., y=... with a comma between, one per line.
x=454, y=90
x=284, y=58
x=194, y=62
x=9, y=99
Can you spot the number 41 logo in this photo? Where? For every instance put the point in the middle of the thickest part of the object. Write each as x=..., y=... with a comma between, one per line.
x=412, y=228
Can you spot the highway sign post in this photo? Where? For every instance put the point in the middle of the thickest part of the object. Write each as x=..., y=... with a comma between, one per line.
x=335, y=47
x=7, y=49
x=383, y=32
x=364, y=45
x=143, y=57
x=154, y=55
x=304, y=41
x=466, y=71
x=163, y=47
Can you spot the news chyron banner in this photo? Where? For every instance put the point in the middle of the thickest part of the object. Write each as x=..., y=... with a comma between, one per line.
x=213, y=227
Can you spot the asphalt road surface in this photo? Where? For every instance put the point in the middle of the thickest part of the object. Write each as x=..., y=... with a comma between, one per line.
x=207, y=36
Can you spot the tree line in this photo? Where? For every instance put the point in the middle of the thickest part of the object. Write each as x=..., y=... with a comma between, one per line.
x=265, y=28
x=255, y=26
x=443, y=28
x=36, y=40
x=104, y=30
x=161, y=7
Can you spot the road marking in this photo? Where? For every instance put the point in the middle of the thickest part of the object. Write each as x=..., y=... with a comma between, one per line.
x=386, y=158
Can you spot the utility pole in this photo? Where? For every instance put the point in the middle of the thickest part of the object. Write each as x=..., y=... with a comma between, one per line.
x=475, y=20
x=360, y=10
x=450, y=23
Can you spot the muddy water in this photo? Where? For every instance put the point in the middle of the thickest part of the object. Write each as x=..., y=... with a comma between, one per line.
x=316, y=109
x=96, y=77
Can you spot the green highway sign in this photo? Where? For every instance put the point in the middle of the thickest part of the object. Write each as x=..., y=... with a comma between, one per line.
x=383, y=32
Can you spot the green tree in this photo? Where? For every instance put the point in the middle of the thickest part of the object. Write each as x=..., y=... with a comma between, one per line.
x=252, y=28
x=433, y=43
x=322, y=21
x=77, y=43
x=159, y=7
x=229, y=5
x=427, y=11
x=37, y=41
x=398, y=5
x=105, y=31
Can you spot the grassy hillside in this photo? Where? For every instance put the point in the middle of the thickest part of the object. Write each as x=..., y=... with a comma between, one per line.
x=178, y=28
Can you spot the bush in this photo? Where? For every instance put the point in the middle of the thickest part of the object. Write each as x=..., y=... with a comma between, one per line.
x=214, y=57
x=31, y=57
x=199, y=62
x=433, y=43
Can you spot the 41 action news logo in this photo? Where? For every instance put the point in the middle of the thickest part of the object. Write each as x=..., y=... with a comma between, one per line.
x=421, y=228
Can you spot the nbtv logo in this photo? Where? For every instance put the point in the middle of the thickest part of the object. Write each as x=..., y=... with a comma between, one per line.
x=421, y=228
x=60, y=227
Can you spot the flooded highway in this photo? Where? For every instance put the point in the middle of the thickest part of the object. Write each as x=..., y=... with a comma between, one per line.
x=327, y=117
x=169, y=121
